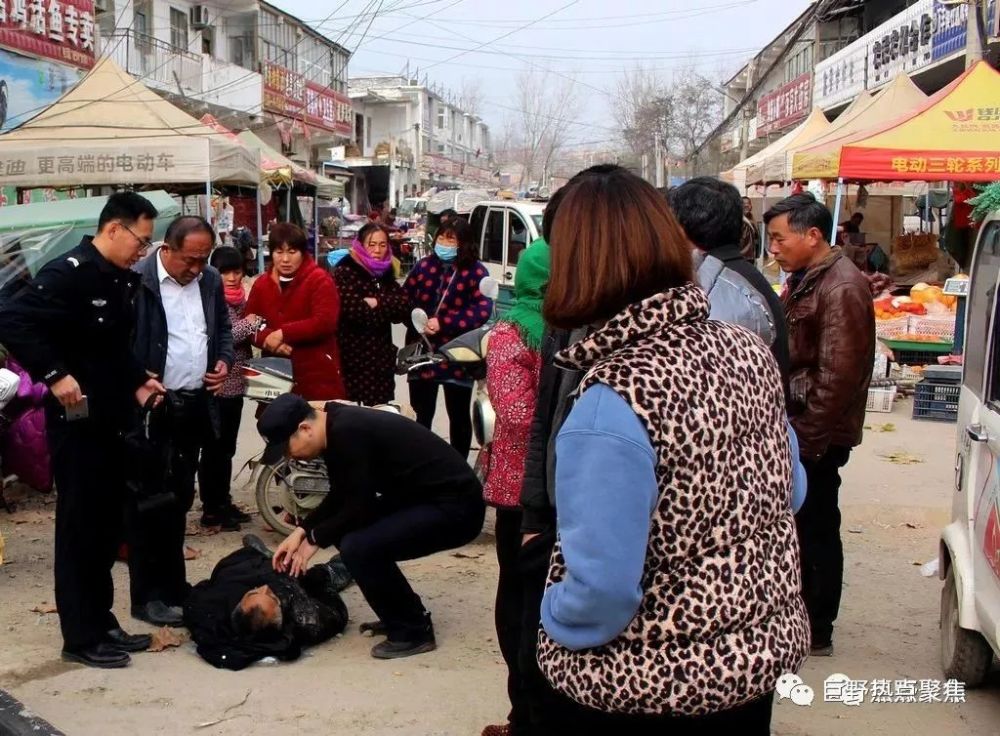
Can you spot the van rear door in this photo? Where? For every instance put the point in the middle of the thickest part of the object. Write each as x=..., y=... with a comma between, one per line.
x=979, y=430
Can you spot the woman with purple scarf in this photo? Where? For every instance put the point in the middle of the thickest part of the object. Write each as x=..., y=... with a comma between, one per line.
x=370, y=303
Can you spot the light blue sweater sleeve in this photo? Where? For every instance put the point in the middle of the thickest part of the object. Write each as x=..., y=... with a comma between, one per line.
x=800, y=482
x=606, y=491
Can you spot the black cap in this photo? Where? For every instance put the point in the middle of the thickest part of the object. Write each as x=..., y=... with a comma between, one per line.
x=279, y=422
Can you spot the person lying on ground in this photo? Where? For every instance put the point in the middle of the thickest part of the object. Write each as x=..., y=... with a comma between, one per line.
x=246, y=611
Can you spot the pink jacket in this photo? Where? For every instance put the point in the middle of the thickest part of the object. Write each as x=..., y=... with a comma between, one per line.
x=24, y=446
x=513, y=372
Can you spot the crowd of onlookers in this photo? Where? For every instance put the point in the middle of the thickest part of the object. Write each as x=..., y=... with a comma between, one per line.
x=666, y=459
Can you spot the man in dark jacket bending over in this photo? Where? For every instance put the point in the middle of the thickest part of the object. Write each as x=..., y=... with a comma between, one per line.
x=400, y=492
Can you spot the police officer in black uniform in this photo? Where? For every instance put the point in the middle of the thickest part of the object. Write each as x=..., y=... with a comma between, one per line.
x=71, y=326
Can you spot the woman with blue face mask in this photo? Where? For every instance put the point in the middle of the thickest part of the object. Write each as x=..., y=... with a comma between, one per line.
x=445, y=284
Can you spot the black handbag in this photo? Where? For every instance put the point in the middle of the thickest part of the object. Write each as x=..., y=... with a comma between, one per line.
x=148, y=455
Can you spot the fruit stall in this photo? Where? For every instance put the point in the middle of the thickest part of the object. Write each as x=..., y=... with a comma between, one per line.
x=914, y=352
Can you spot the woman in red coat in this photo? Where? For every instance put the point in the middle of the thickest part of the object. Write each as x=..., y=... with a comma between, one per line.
x=300, y=306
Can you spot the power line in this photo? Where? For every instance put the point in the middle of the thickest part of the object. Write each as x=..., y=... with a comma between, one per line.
x=505, y=35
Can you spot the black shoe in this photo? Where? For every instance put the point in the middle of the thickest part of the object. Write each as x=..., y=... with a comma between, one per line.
x=159, y=613
x=128, y=642
x=233, y=512
x=102, y=655
x=252, y=541
x=221, y=520
x=389, y=649
x=373, y=628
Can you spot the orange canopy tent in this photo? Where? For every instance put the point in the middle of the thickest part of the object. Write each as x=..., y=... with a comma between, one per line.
x=954, y=136
x=820, y=159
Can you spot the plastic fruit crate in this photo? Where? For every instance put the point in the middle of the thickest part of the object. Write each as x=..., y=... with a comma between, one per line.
x=913, y=352
x=942, y=326
x=892, y=328
x=936, y=401
x=880, y=399
x=881, y=367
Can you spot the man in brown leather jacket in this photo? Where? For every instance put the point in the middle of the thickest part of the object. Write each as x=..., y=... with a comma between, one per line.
x=831, y=335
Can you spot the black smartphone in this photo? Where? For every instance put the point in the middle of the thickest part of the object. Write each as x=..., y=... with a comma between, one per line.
x=80, y=410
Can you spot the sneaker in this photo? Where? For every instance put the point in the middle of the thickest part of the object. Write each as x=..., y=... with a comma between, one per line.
x=389, y=649
x=252, y=541
x=373, y=629
x=221, y=520
x=501, y=730
x=235, y=513
x=821, y=650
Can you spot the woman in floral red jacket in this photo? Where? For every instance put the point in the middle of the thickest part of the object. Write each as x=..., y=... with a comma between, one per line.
x=445, y=284
x=299, y=304
x=514, y=367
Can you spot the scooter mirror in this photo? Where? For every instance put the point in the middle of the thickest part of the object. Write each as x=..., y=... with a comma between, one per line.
x=489, y=287
x=419, y=319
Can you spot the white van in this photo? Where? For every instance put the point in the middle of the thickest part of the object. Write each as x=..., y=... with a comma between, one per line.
x=504, y=229
x=970, y=544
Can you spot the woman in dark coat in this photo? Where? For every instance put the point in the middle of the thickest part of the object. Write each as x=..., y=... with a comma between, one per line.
x=370, y=303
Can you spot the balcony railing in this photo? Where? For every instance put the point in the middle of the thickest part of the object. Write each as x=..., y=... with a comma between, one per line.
x=156, y=62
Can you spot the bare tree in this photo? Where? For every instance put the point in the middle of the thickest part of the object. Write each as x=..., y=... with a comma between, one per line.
x=546, y=110
x=643, y=103
x=696, y=111
x=470, y=96
x=680, y=112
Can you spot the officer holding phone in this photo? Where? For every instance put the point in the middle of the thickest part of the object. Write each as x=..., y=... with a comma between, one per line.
x=71, y=327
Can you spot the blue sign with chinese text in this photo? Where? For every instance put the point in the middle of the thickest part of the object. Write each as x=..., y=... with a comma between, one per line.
x=951, y=27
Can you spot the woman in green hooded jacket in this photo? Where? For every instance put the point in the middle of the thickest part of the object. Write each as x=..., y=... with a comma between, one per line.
x=513, y=370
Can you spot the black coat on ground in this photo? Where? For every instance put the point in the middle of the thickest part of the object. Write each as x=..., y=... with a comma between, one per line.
x=312, y=609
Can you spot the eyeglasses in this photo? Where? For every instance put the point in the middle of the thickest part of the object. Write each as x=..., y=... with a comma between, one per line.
x=144, y=243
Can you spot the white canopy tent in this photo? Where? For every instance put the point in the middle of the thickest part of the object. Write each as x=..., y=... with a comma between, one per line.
x=112, y=130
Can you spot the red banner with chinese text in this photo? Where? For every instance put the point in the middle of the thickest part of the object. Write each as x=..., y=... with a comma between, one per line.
x=884, y=164
x=60, y=30
x=291, y=94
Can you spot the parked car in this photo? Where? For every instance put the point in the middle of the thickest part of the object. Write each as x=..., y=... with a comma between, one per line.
x=970, y=544
x=504, y=229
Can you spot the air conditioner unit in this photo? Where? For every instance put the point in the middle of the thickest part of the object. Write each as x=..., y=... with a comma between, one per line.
x=101, y=6
x=199, y=17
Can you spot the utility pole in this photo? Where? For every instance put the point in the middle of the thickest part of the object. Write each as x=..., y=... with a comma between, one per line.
x=974, y=41
x=747, y=112
x=658, y=161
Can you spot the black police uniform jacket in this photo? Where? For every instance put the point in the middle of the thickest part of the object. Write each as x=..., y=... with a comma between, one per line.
x=76, y=318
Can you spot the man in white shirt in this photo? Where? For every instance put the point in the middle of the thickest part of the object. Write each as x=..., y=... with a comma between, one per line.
x=184, y=338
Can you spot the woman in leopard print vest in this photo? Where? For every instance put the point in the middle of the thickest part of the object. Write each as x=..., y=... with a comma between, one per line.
x=674, y=599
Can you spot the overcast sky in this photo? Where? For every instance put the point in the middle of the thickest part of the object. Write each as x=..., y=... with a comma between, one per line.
x=592, y=41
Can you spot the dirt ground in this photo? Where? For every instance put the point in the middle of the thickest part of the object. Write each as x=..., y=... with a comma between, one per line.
x=887, y=629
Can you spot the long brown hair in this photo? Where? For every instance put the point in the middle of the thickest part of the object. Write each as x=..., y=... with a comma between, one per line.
x=615, y=242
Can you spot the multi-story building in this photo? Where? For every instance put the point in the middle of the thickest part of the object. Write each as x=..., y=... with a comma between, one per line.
x=246, y=62
x=826, y=59
x=409, y=137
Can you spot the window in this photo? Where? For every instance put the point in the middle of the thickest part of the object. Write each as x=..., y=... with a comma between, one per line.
x=981, y=308
x=493, y=237
x=279, y=44
x=178, y=29
x=440, y=117
x=517, y=239
x=242, y=51
x=368, y=132
x=359, y=128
